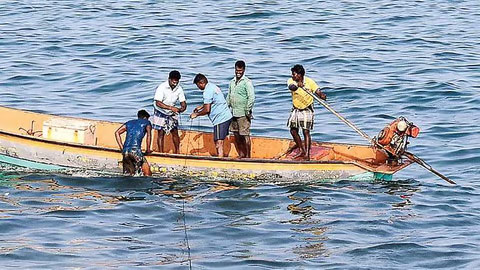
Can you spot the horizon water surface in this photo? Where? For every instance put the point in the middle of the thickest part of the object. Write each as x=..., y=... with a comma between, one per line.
x=376, y=59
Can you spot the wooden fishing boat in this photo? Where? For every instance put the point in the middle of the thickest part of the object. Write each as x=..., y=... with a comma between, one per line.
x=49, y=142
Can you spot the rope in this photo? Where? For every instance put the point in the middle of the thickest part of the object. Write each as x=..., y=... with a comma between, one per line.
x=189, y=141
x=186, y=235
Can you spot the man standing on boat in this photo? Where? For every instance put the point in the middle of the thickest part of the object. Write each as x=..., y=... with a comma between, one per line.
x=215, y=106
x=134, y=161
x=165, y=117
x=240, y=99
x=302, y=114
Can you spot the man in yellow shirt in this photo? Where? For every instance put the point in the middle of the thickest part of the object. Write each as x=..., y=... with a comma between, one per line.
x=302, y=114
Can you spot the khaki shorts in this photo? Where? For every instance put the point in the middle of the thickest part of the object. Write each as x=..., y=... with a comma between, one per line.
x=241, y=125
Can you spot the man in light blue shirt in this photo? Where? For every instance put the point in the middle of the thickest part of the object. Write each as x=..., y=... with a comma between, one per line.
x=215, y=106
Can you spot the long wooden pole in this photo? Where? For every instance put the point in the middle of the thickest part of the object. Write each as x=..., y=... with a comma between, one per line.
x=409, y=155
x=350, y=124
x=424, y=164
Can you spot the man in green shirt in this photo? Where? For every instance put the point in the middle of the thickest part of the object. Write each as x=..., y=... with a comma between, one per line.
x=240, y=99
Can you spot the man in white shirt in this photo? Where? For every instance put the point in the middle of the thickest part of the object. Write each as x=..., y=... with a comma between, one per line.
x=165, y=116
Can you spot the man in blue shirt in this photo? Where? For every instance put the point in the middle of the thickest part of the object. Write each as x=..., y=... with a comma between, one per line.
x=134, y=161
x=215, y=106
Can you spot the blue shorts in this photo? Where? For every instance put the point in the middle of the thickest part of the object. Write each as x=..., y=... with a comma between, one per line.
x=220, y=131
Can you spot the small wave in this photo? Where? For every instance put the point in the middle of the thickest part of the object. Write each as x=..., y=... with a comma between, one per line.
x=41, y=256
x=215, y=48
x=252, y=15
x=449, y=55
x=389, y=246
x=430, y=70
x=116, y=86
x=398, y=18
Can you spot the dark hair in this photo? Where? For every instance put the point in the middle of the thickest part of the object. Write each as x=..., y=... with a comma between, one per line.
x=175, y=75
x=240, y=64
x=143, y=114
x=200, y=77
x=298, y=69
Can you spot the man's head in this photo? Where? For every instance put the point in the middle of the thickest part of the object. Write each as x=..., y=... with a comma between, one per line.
x=239, y=69
x=142, y=114
x=298, y=72
x=201, y=81
x=173, y=78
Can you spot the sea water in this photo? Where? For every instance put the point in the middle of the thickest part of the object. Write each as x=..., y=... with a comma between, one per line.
x=376, y=60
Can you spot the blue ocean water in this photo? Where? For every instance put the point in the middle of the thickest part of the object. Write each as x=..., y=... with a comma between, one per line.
x=377, y=59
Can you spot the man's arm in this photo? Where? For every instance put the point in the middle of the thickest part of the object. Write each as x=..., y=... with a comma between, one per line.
x=183, y=101
x=250, y=97
x=167, y=107
x=201, y=110
x=320, y=94
x=183, y=106
x=198, y=108
x=149, y=139
x=229, y=95
x=204, y=109
x=119, y=132
x=292, y=87
x=317, y=92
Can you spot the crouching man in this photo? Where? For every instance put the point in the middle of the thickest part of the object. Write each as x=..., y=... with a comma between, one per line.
x=134, y=161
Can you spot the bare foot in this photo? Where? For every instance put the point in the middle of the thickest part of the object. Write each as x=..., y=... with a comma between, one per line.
x=290, y=149
x=299, y=156
x=302, y=158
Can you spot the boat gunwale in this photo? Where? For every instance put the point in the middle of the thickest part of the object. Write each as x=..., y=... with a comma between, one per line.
x=183, y=130
x=184, y=156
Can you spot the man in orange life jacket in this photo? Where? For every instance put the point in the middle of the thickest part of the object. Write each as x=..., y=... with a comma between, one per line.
x=302, y=114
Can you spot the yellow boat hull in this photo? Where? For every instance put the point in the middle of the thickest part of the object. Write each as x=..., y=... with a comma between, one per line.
x=26, y=139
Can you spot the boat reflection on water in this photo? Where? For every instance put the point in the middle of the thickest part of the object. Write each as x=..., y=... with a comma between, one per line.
x=306, y=227
x=323, y=214
x=404, y=191
x=182, y=189
x=47, y=195
x=176, y=217
x=402, y=207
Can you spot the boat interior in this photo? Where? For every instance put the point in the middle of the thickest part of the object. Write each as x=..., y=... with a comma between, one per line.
x=100, y=134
